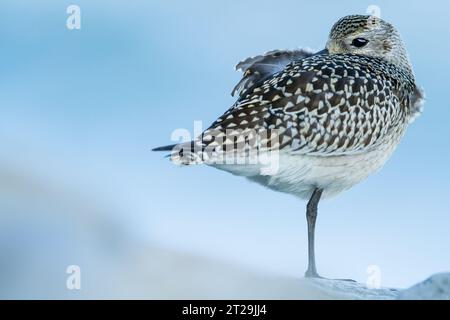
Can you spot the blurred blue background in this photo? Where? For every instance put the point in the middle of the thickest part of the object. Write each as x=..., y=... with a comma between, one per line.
x=81, y=110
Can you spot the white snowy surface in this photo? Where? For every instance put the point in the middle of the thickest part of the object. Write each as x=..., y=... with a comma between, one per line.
x=350, y=290
x=437, y=287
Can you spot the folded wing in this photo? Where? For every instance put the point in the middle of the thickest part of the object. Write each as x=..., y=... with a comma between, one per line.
x=257, y=69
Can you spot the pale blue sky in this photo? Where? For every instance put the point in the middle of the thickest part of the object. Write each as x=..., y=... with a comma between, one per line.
x=83, y=108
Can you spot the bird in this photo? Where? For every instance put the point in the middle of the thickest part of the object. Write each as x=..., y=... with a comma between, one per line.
x=314, y=124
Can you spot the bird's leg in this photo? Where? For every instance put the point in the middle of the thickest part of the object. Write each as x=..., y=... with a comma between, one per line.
x=311, y=215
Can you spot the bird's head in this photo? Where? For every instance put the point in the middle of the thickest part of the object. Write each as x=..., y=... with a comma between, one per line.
x=368, y=36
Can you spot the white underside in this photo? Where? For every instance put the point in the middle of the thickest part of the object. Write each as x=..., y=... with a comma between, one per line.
x=299, y=174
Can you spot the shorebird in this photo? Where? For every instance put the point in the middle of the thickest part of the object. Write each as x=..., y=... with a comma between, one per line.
x=331, y=118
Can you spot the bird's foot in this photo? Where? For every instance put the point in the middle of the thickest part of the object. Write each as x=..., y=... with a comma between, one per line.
x=347, y=280
x=312, y=274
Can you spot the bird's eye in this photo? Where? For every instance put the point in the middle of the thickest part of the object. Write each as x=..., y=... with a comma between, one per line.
x=359, y=42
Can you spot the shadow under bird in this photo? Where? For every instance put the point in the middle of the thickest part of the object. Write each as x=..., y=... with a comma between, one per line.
x=322, y=121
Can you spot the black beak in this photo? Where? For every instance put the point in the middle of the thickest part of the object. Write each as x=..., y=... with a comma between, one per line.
x=324, y=51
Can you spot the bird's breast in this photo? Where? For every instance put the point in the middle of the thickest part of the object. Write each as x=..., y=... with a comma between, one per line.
x=300, y=174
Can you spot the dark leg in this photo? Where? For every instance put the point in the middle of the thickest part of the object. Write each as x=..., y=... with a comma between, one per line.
x=311, y=215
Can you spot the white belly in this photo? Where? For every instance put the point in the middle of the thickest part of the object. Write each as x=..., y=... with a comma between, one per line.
x=301, y=174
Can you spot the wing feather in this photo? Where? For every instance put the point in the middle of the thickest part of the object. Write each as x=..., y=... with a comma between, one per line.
x=257, y=69
x=319, y=106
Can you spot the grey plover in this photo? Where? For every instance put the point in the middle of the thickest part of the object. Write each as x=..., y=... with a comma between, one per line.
x=333, y=117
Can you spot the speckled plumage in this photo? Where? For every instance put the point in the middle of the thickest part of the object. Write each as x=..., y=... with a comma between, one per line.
x=326, y=104
x=315, y=108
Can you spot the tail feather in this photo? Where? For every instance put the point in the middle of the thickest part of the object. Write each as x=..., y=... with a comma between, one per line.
x=165, y=148
x=183, y=154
